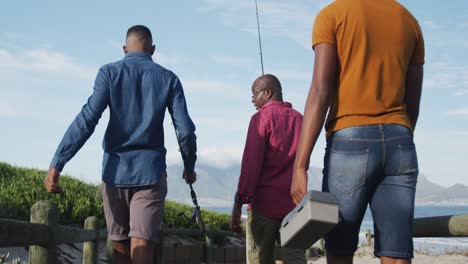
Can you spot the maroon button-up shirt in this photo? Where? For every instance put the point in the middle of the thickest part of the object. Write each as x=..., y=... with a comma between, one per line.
x=267, y=163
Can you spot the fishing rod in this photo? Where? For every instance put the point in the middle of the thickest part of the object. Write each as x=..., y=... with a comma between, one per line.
x=196, y=213
x=259, y=37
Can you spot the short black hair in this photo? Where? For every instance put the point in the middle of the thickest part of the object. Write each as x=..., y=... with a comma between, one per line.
x=142, y=33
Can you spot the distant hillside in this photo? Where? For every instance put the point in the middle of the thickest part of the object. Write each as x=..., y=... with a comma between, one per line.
x=217, y=186
x=428, y=193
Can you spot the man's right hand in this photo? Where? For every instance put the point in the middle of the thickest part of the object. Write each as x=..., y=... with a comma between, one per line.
x=235, y=218
x=298, y=185
x=189, y=176
x=51, y=182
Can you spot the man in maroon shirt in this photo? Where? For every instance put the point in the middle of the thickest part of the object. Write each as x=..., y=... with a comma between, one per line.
x=267, y=167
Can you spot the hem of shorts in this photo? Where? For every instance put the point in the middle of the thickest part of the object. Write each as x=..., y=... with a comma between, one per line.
x=393, y=254
x=340, y=252
x=118, y=237
x=141, y=236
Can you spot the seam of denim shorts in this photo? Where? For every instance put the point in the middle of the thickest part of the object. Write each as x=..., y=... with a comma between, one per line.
x=370, y=139
x=394, y=254
x=341, y=252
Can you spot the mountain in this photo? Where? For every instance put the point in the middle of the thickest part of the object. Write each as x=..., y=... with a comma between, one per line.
x=215, y=187
x=428, y=193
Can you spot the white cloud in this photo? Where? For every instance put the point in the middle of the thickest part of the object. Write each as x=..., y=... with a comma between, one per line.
x=459, y=112
x=43, y=60
x=461, y=133
x=237, y=124
x=292, y=20
x=7, y=110
x=116, y=44
x=220, y=156
x=167, y=60
x=432, y=25
x=461, y=93
x=19, y=111
x=445, y=75
x=235, y=61
x=213, y=87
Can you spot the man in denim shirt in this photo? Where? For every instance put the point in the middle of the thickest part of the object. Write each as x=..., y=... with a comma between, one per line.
x=137, y=91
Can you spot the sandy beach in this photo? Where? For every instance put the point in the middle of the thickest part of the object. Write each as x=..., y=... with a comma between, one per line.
x=419, y=259
x=363, y=256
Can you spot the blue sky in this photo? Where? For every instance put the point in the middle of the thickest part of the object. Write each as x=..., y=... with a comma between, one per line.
x=50, y=52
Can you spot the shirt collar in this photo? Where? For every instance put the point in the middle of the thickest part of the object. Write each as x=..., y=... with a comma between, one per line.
x=277, y=103
x=138, y=54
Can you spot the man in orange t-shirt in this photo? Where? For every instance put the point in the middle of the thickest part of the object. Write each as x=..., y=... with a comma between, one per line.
x=368, y=71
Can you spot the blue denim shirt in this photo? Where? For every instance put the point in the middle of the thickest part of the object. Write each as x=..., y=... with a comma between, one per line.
x=137, y=91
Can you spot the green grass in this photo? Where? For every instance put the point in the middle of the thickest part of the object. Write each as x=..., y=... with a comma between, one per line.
x=20, y=188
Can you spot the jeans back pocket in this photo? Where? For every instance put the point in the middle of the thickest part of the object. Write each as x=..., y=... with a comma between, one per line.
x=348, y=169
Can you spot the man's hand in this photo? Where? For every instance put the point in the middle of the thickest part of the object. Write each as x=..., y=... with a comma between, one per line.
x=51, y=182
x=299, y=185
x=235, y=219
x=189, y=176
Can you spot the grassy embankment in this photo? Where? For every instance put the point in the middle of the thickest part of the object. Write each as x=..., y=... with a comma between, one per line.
x=20, y=188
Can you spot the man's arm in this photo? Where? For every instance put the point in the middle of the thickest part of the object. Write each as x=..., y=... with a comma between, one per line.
x=414, y=80
x=317, y=104
x=79, y=130
x=252, y=163
x=184, y=128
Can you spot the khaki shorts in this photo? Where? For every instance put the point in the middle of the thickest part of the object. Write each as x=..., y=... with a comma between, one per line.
x=134, y=211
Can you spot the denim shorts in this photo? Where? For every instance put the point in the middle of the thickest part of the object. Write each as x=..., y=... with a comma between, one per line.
x=373, y=165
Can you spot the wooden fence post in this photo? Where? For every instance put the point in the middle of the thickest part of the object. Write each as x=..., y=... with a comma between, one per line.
x=109, y=250
x=47, y=213
x=159, y=249
x=369, y=237
x=208, y=245
x=91, y=248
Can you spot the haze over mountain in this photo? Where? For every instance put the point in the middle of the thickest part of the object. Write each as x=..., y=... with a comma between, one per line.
x=217, y=186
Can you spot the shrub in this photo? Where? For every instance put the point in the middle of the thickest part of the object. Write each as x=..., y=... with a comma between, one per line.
x=20, y=188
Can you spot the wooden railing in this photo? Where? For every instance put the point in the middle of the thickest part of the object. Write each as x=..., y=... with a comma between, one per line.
x=436, y=226
x=43, y=234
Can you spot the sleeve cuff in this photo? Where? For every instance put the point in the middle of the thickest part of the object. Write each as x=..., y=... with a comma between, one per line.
x=242, y=200
x=57, y=164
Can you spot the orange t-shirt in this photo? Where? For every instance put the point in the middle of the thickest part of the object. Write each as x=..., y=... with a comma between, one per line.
x=376, y=41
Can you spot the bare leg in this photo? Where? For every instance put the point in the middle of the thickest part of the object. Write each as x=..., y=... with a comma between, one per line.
x=339, y=259
x=121, y=254
x=142, y=251
x=387, y=260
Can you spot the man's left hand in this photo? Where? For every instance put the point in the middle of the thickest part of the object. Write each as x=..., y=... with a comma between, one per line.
x=51, y=182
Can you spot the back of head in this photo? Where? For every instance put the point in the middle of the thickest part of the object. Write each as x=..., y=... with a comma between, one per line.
x=139, y=38
x=269, y=81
